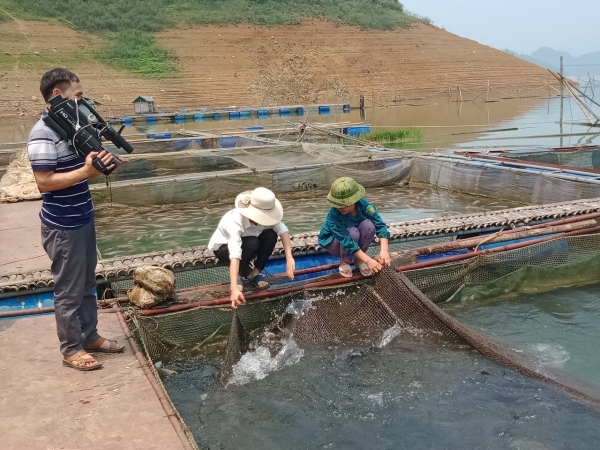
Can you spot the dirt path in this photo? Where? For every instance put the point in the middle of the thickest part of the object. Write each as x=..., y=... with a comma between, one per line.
x=244, y=64
x=22, y=29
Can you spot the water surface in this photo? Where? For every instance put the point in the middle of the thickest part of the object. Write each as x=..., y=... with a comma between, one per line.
x=131, y=230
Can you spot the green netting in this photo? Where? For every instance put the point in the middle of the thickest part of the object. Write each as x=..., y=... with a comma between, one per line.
x=531, y=280
x=182, y=334
x=440, y=282
x=563, y=261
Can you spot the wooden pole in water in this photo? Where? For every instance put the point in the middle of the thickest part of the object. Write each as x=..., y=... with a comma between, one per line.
x=562, y=88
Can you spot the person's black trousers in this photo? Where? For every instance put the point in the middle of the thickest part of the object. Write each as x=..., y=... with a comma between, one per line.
x=260, y=247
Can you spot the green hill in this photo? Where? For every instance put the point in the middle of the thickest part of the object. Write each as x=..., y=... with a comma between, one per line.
x=129, y=24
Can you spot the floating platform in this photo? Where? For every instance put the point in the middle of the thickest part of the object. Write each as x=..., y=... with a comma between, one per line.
x=233, y=113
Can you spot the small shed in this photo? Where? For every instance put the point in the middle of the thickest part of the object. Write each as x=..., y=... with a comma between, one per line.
x=144, y=105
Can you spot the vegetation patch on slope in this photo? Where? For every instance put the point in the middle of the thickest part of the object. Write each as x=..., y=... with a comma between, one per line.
x=130, y=24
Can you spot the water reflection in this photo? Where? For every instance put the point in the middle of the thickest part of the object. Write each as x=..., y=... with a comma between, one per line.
x=445, y=122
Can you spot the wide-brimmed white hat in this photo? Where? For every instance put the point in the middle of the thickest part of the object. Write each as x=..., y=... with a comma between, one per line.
x=260, y=206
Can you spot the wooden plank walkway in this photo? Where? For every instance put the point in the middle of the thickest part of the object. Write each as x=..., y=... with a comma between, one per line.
x=48, y=406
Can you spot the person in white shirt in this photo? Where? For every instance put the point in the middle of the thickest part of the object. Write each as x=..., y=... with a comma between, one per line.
x=250, y=231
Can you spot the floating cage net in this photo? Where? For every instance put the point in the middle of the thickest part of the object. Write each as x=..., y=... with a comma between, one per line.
x=535, y=268
x=586, y=158
x=200, y=175
x=390, y=299
x=488, y=179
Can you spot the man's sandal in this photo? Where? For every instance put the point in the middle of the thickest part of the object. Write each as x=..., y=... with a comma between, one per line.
x=81, y=361
x=103, y=345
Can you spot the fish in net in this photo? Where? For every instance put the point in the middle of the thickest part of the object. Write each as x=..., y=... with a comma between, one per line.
x=392, y=299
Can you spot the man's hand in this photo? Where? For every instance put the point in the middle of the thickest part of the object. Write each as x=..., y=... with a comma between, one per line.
x=104, y=156
x=290, y=267
x=237, y=298
x=384, y=258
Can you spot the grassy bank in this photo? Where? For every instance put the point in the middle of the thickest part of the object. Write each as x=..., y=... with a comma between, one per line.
x=130, y=24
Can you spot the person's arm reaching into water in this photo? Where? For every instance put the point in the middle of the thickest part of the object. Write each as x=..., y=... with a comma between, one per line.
x=383, y=234
x=237, y=296
x=384, y=253
x=290, y=263
x=234, y=244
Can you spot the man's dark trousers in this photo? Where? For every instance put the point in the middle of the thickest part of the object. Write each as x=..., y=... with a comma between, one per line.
x=74, y=258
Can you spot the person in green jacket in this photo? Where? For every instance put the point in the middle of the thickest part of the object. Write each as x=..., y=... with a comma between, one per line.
x=351, y=225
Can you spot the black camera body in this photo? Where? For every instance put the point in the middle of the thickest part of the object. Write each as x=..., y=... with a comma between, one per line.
x=79, y=124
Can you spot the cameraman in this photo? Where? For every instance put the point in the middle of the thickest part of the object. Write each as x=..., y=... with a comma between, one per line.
x=68, y=233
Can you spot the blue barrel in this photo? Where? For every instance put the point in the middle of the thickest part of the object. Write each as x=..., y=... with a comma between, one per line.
x=199, y=117
x=357, y=130
x=151, y=135
x=234, y=115
x=216, y=116
x=179, y=117
x=162, y=136
x=126, y=120
x=299, y=111
x=227, y=141
x=245, y=113
x=151, y=119
x=346, y=107
x=285, y=111
x=324, y=109
x=262, y=113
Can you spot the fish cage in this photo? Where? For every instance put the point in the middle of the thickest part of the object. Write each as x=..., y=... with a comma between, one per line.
x=290, y=167
x=362, y=313
x=585, y=158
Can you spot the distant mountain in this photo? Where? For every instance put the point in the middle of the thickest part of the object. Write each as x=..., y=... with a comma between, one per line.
x=574, y=65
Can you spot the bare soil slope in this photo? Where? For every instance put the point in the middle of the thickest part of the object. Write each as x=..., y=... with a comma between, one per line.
x=244, y=64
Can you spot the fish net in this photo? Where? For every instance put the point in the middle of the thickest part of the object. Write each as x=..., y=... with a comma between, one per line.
x=586, y=159
x=408, y=300
x=392, y=299
x=203, y=174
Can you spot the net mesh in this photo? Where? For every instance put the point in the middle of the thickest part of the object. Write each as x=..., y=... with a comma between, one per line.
x=202, y=174
x=407, y=300
x=392, y=299
x=587, y=159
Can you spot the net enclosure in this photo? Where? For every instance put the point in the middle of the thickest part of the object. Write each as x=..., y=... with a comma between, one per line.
x=204, y=174
x=407, y=299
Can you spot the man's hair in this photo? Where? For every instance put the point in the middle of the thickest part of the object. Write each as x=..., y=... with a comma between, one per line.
x=56, y=78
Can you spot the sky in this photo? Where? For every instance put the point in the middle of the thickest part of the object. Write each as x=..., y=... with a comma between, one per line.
x=521, y=26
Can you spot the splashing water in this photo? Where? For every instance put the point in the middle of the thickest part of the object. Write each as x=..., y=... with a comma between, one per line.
x=256, y=365
x=550, y=355
x=389, y=335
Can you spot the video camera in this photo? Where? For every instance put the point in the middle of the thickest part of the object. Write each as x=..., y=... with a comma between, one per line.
x=78, y=123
